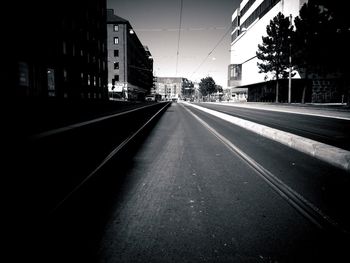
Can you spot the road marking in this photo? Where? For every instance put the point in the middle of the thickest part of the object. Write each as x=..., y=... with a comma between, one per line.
x=327, y=153
x=296, y=200
x=283, y=110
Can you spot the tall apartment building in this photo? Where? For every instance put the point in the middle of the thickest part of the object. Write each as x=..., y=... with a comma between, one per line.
x=249, y=23
x=57, y=49
x=130, y=64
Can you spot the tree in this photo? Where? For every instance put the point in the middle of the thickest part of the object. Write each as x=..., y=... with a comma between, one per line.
x=337, y=40
x=218, y=88
x=311, y=55
x=274, y=51
x=207, y=86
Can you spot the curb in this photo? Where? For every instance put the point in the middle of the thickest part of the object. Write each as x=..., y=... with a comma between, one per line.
x=330, y=154
x=334, y=114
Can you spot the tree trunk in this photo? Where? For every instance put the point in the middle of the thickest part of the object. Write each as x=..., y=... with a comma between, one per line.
x=304, y=89
x=303, y=96
x=277, y=90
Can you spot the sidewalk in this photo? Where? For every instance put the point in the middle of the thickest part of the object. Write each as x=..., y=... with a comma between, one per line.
x=338, y=111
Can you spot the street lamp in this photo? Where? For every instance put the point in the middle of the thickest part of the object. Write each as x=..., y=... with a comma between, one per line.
x=290, y=65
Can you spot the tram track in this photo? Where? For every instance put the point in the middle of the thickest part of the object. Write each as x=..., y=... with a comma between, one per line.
x=113, y=153
x=307, y=209
x=52, y=165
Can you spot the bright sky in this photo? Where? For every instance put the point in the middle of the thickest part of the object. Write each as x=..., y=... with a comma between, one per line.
x=204, y=23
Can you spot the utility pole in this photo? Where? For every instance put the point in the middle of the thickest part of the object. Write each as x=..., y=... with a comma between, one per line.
x=290, y=65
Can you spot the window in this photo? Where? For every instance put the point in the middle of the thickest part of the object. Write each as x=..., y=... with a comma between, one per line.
x=65, y=75
x=115, y=28
x=64, y=47
x=51, y=82
x=116, y=77
x=116, y=40
x=116, y=52
x=88, y=80
x=116, y=65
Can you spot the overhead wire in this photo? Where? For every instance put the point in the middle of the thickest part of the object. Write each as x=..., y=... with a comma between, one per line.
x=217, y=44
x=182, y=29
x=178, y=38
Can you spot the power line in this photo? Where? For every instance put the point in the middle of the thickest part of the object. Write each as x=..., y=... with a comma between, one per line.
x=217, y=44
x=178, y=29
x=178, y=39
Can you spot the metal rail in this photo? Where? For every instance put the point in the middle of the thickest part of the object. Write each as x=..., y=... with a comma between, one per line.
x=296, y=200
x=84, y=123
x=115, y=151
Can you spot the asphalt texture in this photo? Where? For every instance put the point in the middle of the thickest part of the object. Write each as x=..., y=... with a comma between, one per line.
x=330, y=131
x=178, y=194
x=187, y=198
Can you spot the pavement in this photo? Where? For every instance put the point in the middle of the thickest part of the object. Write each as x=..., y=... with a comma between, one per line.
x=330, y=154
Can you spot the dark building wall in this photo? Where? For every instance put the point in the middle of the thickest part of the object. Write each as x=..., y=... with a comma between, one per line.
x=140, y=66
x=266, y=91
x=58, y=49
x=317, y=91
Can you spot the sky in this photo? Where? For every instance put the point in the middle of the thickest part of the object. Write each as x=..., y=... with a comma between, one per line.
x=203, y=24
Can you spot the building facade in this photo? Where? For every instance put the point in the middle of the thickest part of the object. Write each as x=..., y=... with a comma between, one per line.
x=130, y=64
x=58, y=49
x=169, y=87
x=249, y=23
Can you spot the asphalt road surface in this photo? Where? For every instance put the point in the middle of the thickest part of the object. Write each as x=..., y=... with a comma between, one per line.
x=331, y=131
x=188, y=197
x=192, y=188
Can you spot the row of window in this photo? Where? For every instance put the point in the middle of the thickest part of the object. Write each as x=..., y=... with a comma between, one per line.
x=89, y=58
x=91, y=80
x=234, y=35
x=259, y=12
x=74, y=49
x=246, y=7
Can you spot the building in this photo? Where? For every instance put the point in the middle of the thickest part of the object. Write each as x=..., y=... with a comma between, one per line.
x=57, y=49
x=249, y=23
x=130, y=64
x=169, y=87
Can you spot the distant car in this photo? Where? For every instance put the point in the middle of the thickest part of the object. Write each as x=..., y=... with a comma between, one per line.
x=174, y=99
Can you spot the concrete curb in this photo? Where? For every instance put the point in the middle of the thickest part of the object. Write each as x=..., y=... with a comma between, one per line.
x=324, y=113
x=330, y=154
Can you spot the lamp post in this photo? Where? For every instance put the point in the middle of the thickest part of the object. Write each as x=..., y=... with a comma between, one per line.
x=290, y=65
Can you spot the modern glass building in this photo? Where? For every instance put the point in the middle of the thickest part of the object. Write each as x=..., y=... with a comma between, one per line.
x=249, y=23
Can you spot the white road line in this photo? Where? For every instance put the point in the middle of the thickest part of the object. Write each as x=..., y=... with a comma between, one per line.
x=283, y=110
x=327, y=153
x=305, y=207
